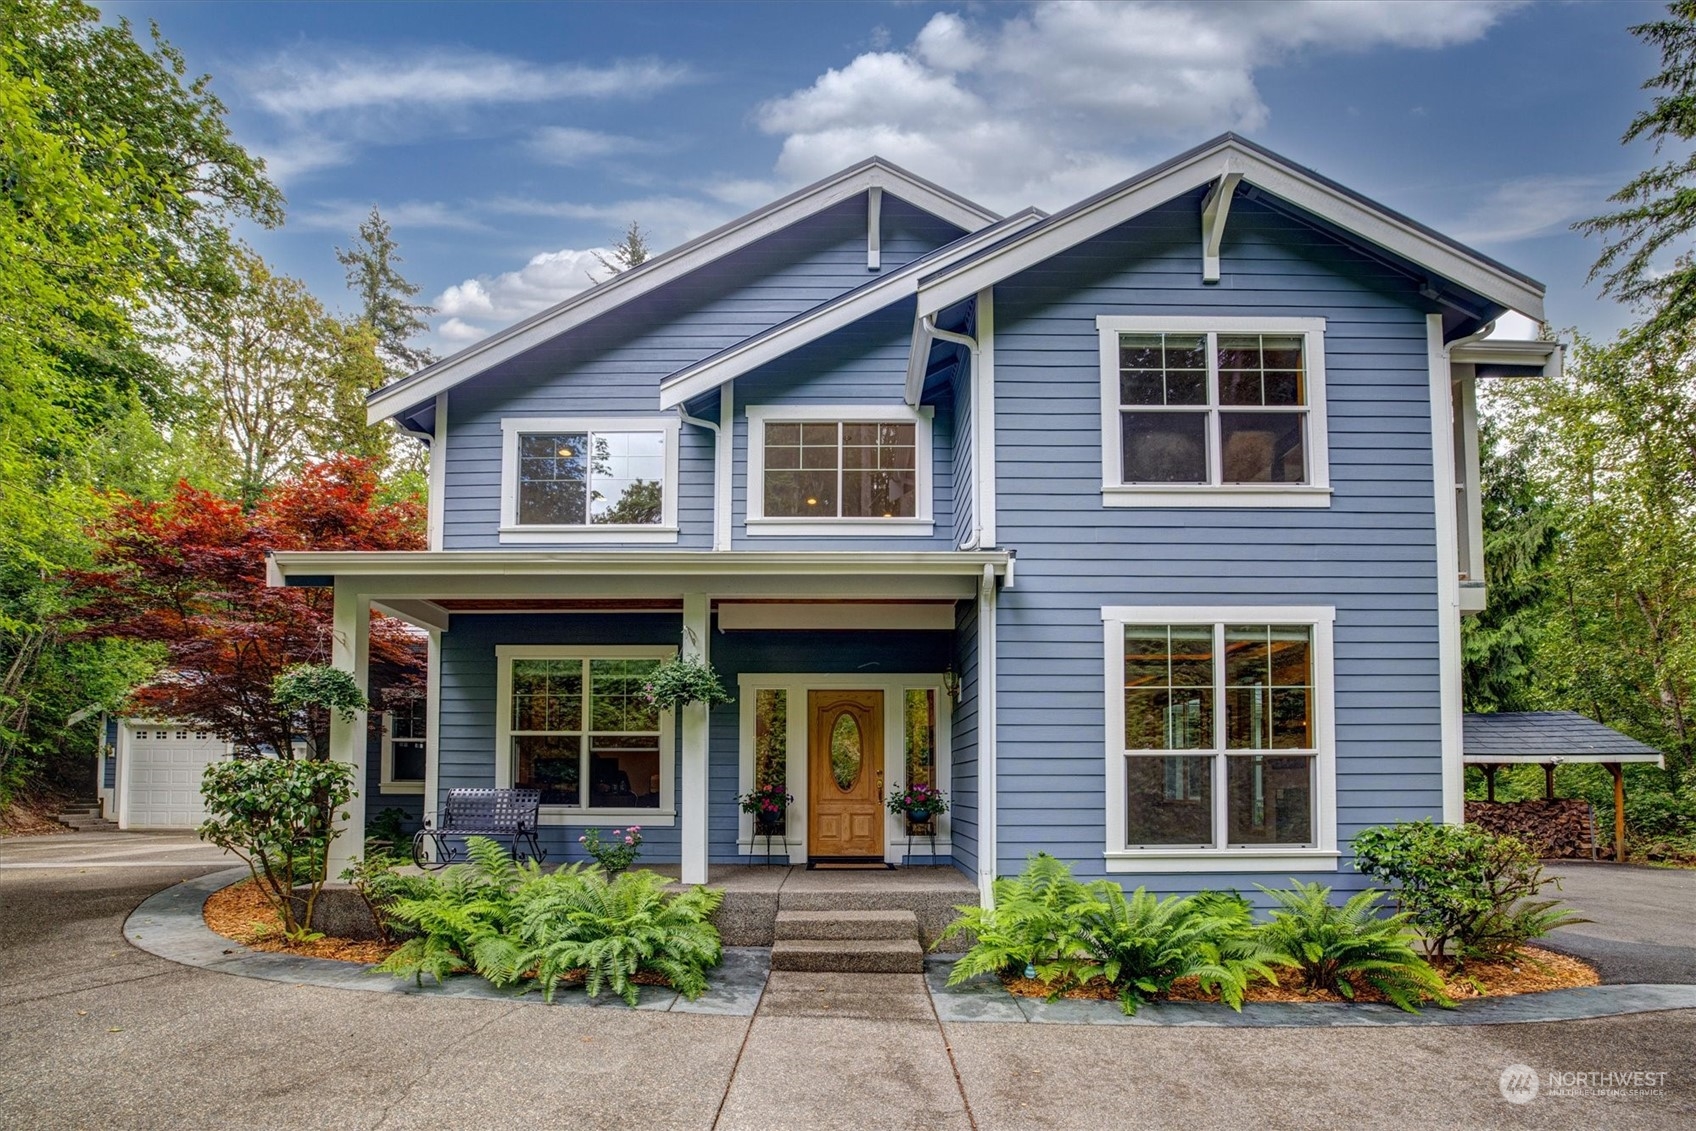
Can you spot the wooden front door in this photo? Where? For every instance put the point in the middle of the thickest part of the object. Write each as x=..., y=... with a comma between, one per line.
x=845, y=774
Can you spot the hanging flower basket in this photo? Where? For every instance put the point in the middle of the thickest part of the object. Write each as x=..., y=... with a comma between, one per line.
x=678, y=683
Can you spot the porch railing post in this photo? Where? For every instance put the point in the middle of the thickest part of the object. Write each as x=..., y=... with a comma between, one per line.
x=692, y=789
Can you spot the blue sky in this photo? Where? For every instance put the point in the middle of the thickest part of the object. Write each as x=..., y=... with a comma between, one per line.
x=506, y=142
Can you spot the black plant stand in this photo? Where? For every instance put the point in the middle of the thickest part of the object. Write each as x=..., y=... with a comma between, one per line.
x=768, y=829
x=924, y=828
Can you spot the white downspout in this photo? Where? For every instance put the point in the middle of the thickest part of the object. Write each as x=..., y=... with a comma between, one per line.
x=721, y=481
x=971, y=344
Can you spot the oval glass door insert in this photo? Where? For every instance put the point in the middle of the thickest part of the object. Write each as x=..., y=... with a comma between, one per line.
x=845, y=751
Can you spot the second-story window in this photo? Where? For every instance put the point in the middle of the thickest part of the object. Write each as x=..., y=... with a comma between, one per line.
x=1233, y=408
x=589, y=480
x=849, y=470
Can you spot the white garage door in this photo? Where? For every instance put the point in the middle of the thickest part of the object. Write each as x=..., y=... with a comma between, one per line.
x=164, y=764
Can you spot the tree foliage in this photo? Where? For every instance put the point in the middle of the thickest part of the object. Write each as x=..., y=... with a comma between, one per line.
x=188, y=573
x=1658, y=206
x=385, y=296
x=630, y=251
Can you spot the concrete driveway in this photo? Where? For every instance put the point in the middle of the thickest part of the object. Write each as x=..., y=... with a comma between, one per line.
x=96, y=1034
x=1642, y=920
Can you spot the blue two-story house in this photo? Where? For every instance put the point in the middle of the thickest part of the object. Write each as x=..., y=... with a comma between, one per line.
x=1143, y=530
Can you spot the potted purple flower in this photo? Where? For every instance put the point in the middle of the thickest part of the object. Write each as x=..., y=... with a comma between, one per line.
x=767, y=803
x=920, y=802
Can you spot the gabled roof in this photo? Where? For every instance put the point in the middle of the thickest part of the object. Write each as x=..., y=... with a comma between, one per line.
x=845, y=309
x=1355, y=216
x=1547, y=736
x=874, y=172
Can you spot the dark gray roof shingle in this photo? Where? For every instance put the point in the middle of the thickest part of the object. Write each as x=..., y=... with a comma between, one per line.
x=1559, y=734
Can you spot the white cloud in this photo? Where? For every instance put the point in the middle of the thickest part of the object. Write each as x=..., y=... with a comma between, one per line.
x=312, y=82
x=347, y=215
x=667, y=220
x=1531, y=206
x=1046, y=105
x=460, y=332
x=568, y=145
x=500, y=300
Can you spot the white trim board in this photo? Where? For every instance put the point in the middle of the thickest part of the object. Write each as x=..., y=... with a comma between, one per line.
x=1229, y=156
x=1449, y=660
x=796, y=685
x=663, y=269
x=735, y=616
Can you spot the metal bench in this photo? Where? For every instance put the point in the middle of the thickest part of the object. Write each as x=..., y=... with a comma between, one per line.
x=499, y=814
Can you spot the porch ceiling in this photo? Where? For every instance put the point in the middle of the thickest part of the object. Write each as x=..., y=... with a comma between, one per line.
x=451, y=574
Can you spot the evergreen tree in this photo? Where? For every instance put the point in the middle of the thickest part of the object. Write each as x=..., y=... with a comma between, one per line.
x=631, y=251
x=385, y=296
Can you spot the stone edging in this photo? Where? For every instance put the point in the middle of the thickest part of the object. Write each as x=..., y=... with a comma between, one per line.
x=169, y=924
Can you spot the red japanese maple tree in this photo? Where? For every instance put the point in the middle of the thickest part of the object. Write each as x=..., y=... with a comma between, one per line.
x=189, y=573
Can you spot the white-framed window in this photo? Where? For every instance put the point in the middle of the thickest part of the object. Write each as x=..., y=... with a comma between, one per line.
x=1221, y=748
x=845, y=469
x=589, y=479
x=571, y=722
x=917, y=726
x=405, y=733
x=1213, y=412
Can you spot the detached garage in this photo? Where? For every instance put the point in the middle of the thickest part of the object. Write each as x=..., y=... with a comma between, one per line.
x=157, y=779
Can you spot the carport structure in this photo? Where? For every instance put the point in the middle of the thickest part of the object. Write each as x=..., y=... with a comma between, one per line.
x=1549, y=738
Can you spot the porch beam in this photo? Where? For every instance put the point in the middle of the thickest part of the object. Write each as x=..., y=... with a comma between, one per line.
x=350, y=651
x=692, y=788
x=419, y=614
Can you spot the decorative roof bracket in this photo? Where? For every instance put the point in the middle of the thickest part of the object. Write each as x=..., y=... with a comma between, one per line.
x=1215, y=209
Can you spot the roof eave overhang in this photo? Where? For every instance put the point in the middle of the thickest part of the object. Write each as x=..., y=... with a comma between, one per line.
x=712, y=372
x=1510, y=357
x=1598, y=757
x=469, y=573
x=662, y=269
x=1356, y=217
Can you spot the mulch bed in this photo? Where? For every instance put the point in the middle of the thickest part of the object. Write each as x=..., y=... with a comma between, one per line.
x=1539, y=970
x=241, y=912
x=29, y=820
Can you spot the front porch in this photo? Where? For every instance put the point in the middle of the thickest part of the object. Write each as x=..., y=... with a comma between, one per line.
x=854, y=675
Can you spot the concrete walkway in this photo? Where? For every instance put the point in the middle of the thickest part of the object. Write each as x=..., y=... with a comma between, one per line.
x=95, y=1033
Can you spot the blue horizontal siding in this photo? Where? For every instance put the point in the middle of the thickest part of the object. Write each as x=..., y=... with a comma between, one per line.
x=1371, y=554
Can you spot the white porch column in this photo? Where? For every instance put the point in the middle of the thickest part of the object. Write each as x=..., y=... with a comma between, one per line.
x=692, y=789
x=350, y=651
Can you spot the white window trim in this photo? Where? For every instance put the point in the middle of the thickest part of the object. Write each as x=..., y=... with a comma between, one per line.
x=793, y=844
x=388, y=784
x=665, y=816
x=512, y=532
x=1323, y=855
x=1116, y=493
x=919, y=526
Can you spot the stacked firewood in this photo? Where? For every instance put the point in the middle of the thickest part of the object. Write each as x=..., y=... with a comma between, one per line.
x=1563, y=828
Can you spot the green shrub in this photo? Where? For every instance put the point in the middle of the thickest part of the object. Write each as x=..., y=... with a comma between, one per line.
x=277, y=815
x=515, y=924
x=1022, y=931
x=381, y=886
x=1462, y=887
x=1339, y=948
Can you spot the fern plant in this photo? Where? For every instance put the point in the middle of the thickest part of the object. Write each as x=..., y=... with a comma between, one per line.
x=451, y=916
x=1142, y=944
x=1022, y=931
x=1341, y=948
x=578, y=920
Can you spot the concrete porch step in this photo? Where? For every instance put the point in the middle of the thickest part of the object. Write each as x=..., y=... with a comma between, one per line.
x=825, y=926
x=849, y=956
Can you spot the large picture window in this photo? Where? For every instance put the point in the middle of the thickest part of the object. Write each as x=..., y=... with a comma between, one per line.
x=1219, y=732
x=613, y=479
x=1232, y=408
x=857, y=469
x=576, y=727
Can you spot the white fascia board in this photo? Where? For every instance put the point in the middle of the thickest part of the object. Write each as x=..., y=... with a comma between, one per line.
x=1227, y=159
x=709, y=373
x=382, y=565
x=672, y=265
x=1549, y=355
x=1558, y=759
